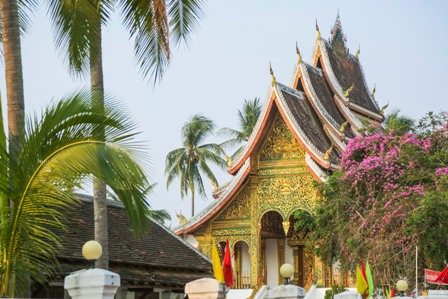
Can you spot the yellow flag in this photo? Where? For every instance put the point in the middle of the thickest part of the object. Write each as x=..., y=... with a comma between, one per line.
x=217, y=267
x=361, y=283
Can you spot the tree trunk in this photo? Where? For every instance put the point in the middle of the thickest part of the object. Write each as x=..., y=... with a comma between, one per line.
x=192, y=203
x=15, y=100
x=99, y=188
x=13, y=73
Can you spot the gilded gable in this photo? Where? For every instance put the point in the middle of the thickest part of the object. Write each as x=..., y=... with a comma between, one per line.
x=280, y=143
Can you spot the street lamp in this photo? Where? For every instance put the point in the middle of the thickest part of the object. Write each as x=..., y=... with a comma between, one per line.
x=92, y=250
x=286, y=271
x=402, y=286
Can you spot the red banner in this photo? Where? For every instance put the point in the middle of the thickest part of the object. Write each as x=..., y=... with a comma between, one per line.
x=431, y=275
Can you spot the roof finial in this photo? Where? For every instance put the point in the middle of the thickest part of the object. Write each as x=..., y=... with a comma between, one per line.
x=347, y=92
x=327, y=153
x=273, y=82
x=215, y=185
x=358, y=52
x=299, y=57
x=384, y=108
x=342, y=128
x=373, y=91
x=318, y=32
x=229, y=159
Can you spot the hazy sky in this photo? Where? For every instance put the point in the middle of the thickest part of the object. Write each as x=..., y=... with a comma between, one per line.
x=403, y=50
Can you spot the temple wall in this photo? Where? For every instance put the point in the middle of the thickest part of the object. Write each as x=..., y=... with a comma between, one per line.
x=272, y=265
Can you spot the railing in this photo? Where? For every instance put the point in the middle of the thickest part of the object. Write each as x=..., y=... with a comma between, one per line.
x=242, y=280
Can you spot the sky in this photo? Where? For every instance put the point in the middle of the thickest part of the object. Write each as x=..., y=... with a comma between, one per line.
x=403, y=51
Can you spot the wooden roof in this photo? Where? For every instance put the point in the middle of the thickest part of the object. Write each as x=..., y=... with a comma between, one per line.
x=160, y=259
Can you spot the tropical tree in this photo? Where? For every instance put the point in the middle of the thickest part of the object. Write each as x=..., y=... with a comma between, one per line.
x=78, y=30
x=191, y=160
x=398, y=124
x=57, y=156
x=247, y=118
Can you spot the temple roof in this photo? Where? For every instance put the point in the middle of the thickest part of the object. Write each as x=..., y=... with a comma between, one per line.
x=160, y=259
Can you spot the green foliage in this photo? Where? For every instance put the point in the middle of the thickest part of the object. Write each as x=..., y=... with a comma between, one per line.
x=57, y=156
x=335, y=289
x=389, y=196
x=247, y=118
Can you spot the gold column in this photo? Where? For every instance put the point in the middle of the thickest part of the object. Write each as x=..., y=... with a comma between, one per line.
x=281, y=258
x=255, y=234
x=238, y=267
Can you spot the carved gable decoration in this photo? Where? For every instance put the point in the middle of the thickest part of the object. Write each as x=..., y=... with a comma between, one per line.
x=239, y=207
x=280, y=143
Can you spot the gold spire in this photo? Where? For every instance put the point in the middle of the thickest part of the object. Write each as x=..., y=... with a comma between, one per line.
x=358, y=52
x=373, y=91
x=229, y=159
x=384, y=109
x=342, y=128
x=273, y=82
x=327, y=153
x=318, y=32
x=299, y=57
x=347, y=92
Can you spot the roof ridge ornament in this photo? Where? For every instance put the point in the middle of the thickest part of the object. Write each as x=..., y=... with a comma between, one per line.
x=373, y=91
x=342, y=128
x=318, y=32
x=358, y=52
x=273, y=82
x=348, y=90
x=328, y=152
x=383, y=109
x=337, y=35
x=229, y=160
x=299, y=57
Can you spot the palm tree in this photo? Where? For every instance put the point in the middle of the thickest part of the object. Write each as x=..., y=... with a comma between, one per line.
x=190, y=161
x=247, y=118
x=78, y=26
x=58, y=154
x=398, y=124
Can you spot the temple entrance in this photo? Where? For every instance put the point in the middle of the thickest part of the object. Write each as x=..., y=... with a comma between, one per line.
x=242, y=264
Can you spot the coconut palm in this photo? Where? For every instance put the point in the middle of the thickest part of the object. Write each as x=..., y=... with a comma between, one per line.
x=247, y=118
x=189, y=162
x=58, y=154
x=78, y=30
x=398, y=124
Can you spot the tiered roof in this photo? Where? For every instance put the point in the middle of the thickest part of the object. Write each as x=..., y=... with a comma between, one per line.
x=327, y=103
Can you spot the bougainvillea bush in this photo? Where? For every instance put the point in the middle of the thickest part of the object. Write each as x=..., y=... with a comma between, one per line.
x=390, y=195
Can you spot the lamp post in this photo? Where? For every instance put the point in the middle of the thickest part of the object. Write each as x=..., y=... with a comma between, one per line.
x=401, y=286
x=92, y=250
x=286, y=271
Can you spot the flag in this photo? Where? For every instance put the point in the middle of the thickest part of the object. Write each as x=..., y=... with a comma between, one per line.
x=227, y=266
x=216, y=262
x=392, y=292
x=361, y=283
x=369, y=280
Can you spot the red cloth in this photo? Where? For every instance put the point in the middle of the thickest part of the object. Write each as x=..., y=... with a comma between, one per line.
x=443, y=277
x=392, y=292
x=227, y=266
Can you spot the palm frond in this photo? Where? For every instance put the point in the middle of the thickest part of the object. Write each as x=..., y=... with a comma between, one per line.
x=184, y=18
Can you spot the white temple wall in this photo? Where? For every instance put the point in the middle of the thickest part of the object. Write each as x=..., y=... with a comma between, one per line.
x=245, y=258
x=272, y=262
x=289, y=255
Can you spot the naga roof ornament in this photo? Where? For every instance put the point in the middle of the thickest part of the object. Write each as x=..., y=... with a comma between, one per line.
x=358, y=52
x=373, y=91
x=273, y=82
x=342, y=128
x=348, y=90
x=383, y=109
x=299, y=57
x=328, y=152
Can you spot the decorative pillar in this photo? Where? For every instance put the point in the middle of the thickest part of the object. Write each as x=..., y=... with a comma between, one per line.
x=238, y=265
x=255, y=235
x=92, y=284
x=281, y=258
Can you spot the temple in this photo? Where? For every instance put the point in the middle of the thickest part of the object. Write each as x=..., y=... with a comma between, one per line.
x=298, y=140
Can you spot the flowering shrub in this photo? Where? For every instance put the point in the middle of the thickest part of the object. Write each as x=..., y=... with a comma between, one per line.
x=390, y=196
